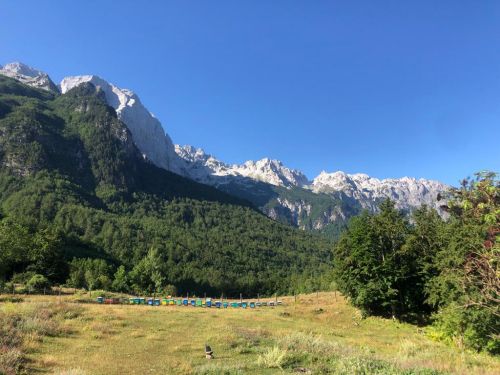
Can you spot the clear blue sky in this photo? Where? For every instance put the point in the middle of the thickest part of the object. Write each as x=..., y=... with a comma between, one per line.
x=388, y=88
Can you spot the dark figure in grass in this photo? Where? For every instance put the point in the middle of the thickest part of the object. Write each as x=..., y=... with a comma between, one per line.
x=209, y=354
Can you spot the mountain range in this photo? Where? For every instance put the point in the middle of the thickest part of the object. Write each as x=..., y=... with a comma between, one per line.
x=324, y=203
x=75, y=186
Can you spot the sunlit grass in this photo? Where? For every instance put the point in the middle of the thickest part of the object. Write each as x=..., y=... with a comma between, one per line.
x=319, y=334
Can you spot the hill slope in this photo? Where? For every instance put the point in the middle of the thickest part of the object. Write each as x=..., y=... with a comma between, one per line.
x=67, y=161
x=323, y=204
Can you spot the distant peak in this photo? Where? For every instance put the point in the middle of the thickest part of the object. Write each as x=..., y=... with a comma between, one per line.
x=29, y=76
x=25, y=70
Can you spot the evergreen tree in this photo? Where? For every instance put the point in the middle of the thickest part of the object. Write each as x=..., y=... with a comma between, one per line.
x=120, y=281
x=373, y=266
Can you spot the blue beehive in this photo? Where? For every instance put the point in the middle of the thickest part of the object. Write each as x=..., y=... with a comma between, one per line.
x=185, y=302
x=218, y=304
x=193, y=302
x=252, y=305
x=100, y=299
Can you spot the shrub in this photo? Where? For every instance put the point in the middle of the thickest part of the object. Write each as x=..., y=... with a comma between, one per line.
x=9, y=287
x=38, y=283
x=169, y=290
x=472, y=328
x=22, y=278
x=273, y=358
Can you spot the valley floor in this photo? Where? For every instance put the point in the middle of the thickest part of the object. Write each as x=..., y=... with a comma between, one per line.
x=318, y=334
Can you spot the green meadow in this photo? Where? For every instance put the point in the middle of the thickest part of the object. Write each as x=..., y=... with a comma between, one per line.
x=311, y=334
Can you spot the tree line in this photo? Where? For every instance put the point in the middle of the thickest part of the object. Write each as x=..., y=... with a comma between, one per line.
x=428, y=268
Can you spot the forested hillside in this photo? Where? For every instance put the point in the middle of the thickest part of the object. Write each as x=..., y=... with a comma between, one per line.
x=80, y=204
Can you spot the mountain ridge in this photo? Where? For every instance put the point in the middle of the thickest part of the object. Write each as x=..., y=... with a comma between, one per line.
x=69, y=165
x=358, y=190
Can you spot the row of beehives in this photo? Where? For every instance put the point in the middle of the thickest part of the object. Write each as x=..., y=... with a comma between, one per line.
x=198, y=302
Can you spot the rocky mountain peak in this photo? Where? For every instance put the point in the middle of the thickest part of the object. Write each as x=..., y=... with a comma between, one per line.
x=147, y=131
x=29, y=76
x=273, y=172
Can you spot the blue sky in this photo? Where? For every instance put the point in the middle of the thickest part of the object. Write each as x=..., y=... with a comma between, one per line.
x=388, y=88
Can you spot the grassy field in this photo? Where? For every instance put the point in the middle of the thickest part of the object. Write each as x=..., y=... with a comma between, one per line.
x=318, y=334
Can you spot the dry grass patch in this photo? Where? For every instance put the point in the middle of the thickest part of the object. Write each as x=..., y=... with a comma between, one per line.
x=23, y=327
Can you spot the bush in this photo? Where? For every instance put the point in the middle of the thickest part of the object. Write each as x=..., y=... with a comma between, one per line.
x=22, y=278
x=472, y=328
x=169, y=290
x=273, y=358
x=8, y=287
x=38, y=283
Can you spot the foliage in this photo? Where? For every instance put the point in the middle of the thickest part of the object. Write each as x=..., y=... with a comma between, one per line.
x=273, y=358
x=387, y=266
x=467, y=286
x=74, y=188
x=38, y=283
x=90, y=274
x=120, y=280
x=375, y=268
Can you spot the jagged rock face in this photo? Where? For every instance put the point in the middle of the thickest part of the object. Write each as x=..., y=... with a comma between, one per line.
x=293, y=210
x=29, y=76
x=147, y=131
x=203, y=167
x=406, y=192
x=351, y=193
x=271, y=171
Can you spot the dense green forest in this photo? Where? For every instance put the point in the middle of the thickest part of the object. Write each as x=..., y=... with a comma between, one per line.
x=266, y=197
x=429, y=268
x=81, y=206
